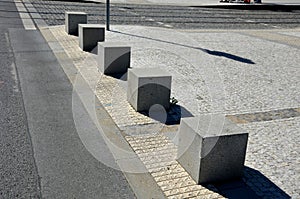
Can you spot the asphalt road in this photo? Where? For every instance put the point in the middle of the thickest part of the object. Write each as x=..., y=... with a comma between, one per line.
x=41, y=154
x=18, y=172
x=172, y=16
x=65, y=167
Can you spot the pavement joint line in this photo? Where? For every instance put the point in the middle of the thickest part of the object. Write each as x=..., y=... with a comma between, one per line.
x=158, y=154
x=165, y=173
x=264, y=116
x=148, y=153
x=141, y=151
x=166, y=156
x=187, y=182
x=159, y=165
x=173, y=168
x=165, y=184
x=153, y=161
x=150, y=145
x=161, y=178
x=147, y=148
x=186, y=192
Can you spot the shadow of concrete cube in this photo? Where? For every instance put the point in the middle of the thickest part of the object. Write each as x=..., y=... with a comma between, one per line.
x=72, y=20
x=113, y=57
x=90, y=35
x=147, y=87
x=211, y=149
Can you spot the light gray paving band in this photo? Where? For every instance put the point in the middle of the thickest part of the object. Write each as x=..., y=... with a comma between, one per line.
x=35, y=16
x=25, y=16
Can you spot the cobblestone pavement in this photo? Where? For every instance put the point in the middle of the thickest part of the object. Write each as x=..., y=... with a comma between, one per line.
x=273, y=154
x=252, y=77
x=273, y=150
x=170, y=16
x=19, y=177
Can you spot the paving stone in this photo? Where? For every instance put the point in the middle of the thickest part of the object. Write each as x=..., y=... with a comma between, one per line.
x=273, y=145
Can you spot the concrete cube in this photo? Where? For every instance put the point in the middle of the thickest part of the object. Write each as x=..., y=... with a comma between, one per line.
x=113, y=57
x=90, y=35
x=147, y=87
x=211, y=149
x=72, y=20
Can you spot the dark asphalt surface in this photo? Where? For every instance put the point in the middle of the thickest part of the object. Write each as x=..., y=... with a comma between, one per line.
x=41, y=154
x=172, y=16
x=18, y=173
x=66, y=168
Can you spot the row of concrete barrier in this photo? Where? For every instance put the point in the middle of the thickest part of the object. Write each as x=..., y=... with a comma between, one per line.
x=146, y=86
x=211, y=149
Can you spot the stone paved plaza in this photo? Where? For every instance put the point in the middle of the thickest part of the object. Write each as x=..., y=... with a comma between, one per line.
x=249, y=76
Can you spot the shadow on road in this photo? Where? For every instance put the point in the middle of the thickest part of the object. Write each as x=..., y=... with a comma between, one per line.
x=229, y=56
x=254, y=185
x=210, y=52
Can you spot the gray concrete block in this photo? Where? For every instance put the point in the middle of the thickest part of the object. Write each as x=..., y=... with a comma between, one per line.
x=211, y=149
x=148, y=86
x=72, y=20
x=113, y=57
x=90, y=35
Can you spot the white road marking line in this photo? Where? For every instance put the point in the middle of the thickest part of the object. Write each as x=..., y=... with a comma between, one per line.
x=149, y=19
x=25, y=17
x=168, y=26
x=13, y=67
x=133, y=13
